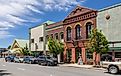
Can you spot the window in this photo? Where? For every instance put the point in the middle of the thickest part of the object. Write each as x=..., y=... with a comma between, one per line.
x=56, y=36
x=32, y=40
x=40, y=39
x=68, y=33
x=36, y=46
x=88, y=29
x=61, y=35
x=77, y=32
x=51, y=35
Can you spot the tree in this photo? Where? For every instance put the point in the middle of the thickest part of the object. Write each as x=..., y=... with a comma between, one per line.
x=9, y=46
x=55, y=47
x=98, y=43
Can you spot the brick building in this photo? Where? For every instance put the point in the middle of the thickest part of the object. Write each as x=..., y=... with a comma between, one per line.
x=55, y=31
x=77, y=26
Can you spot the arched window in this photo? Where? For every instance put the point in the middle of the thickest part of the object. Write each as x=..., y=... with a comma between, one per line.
x=77, y=32
x=51, y=35
x=56, y=36
x=88, y=29
x=61, y=35
x=68, y=32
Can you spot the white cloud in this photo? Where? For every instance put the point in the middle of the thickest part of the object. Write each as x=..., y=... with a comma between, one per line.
x=5, y=34
x=19, y=12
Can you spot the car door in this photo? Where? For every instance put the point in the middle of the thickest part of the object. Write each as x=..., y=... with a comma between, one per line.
x=42, y=59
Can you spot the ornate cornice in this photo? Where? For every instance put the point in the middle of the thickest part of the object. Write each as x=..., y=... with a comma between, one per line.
x=80, y=18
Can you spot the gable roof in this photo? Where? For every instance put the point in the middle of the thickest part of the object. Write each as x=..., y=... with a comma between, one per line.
x=46, y=22
x=79, y=10
x=21, y=42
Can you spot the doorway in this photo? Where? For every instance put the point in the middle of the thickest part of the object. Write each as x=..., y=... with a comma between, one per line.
x=78, y=53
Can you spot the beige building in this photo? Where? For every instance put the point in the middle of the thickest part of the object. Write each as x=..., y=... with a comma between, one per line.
x=37, y=37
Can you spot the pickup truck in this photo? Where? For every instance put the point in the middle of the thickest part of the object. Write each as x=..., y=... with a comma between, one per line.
x=112, y=67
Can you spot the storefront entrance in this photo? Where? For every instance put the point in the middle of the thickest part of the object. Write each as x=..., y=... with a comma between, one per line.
x=78, y=53
x=69, y=55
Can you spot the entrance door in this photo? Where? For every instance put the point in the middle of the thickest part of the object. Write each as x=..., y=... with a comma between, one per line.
x=78, y=53
x=69, y=55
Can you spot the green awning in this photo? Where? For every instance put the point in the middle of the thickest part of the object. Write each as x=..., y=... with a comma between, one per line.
x=115, y=48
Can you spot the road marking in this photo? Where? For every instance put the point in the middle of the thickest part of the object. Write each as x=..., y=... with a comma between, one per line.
x=20, y=68
x=51, y=75
x=3, y=65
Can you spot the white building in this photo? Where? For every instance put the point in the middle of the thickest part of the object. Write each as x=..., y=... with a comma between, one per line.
x=37, y=38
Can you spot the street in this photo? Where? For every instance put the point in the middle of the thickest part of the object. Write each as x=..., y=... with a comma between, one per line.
x=20, y=69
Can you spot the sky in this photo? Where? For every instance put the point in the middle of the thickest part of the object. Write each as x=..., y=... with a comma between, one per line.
x=17, y=16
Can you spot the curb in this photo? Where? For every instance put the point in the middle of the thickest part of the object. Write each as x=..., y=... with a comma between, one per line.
x=85, y=67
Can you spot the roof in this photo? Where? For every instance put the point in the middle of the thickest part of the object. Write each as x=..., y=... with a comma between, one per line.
x=48, y=22
x=79, y=10
x=22, y=43
x=110, y=7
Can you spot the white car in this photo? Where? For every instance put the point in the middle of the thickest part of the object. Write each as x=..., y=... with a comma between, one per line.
x=21, y=59
x=112, y=67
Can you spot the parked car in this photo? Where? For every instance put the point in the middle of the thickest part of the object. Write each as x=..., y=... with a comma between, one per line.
x=30, y=59
x=9, y=58
x=112, y=67
x=47, y=60
x=17, y=60
x=21, y=59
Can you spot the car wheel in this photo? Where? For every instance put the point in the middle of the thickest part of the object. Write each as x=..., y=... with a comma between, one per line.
x=113, y=69
x=43, y=63
x=30, y=62
x=39, y=62
x=48, y=63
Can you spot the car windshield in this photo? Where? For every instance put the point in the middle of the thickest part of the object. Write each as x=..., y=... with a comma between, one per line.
x=48, y=57
x=31, y=57
x=16, y=57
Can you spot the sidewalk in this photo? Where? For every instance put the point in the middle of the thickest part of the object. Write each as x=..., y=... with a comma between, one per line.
x=81, y=66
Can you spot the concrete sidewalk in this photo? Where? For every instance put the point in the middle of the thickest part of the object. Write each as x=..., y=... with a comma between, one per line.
x=81, y=66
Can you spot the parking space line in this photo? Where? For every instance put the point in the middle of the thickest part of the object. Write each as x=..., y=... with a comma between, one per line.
x=20, y=68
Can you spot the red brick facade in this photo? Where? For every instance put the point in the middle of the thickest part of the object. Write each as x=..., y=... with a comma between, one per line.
x=55, y=28
x=79, y=16
x=75, y=30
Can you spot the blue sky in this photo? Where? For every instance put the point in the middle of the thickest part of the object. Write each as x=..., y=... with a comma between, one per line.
x=17, y=16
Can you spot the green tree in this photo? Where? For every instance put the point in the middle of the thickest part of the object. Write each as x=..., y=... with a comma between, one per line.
x=9, y=46
x=98, y=43
x=55, y=47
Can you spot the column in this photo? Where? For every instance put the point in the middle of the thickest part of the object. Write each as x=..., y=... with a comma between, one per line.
x=73, y=55
x=98, y=59
x=83, y=55
x=94, y=58
x=64, y=55
x=113, y=55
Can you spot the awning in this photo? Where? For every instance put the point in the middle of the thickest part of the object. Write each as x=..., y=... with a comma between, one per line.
x=118, y=49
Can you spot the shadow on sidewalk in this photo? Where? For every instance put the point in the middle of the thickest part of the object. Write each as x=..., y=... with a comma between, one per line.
x=3, y=72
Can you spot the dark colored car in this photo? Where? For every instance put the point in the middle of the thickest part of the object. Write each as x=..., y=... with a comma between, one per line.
x=47, y=60
x=30, y=60
x=9, y=58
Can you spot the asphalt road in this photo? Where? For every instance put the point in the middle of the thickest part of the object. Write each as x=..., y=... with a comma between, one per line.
x=20, y=69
